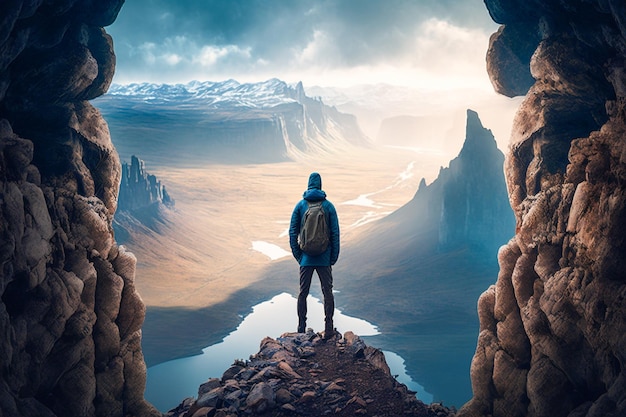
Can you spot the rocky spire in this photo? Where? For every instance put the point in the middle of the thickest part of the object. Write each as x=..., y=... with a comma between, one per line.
x=467, y=203
x=300, y=94
x=139, y=189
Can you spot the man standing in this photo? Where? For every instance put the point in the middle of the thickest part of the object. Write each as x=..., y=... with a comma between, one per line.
x=309, y=262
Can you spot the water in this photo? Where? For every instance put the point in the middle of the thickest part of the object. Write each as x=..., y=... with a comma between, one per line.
x=170, y=382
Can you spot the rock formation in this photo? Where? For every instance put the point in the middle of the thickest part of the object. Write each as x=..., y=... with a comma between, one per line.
x=138, y=189
x=302, y=374
x=553, y=328
x=70, y=318
x=467, y=204
x=429, y=261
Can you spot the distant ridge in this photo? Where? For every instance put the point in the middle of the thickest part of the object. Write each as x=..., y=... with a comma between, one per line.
x=226, y=122
x=214, y=94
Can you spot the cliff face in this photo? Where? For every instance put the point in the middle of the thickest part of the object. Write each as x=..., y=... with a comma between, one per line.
x=225, y=122
x=553, y=330
x=70, y=317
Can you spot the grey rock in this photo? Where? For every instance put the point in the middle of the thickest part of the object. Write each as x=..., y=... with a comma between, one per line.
x=212, y=398
x=261, y=398
x=210, y=385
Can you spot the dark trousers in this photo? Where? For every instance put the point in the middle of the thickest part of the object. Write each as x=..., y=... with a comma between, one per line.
x=325, y=274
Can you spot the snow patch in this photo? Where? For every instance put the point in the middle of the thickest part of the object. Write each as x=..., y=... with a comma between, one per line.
x=363, y=200
x=270, y=250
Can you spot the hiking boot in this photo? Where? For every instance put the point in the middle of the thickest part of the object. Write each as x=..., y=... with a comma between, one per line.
x=328, y=334
x=302, y=328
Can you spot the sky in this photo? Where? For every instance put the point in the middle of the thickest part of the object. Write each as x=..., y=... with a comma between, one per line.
x=435, y=49
x=319, y=42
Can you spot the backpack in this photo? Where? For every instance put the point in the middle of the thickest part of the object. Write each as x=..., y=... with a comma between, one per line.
x=313, y=238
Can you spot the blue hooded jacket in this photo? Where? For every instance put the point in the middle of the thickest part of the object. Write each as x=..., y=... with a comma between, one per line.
x=314, y=193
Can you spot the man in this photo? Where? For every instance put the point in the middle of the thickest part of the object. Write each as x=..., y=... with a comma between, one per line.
x=321, y=263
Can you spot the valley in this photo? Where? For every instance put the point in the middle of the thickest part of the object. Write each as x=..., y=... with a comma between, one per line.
x=411, y=219
x=200, y=252
x=199, y=274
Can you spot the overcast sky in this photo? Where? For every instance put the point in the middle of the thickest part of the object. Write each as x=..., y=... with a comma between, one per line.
x=320, y=42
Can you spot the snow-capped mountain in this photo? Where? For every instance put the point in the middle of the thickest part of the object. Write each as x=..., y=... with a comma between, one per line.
x=266, y=94
x=226, y=121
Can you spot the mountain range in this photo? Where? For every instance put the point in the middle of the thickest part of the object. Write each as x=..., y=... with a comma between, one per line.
x=419, y=117
x=225, y=122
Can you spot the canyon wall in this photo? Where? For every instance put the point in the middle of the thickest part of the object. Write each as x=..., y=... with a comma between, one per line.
x=70, y=318
x=552, y=336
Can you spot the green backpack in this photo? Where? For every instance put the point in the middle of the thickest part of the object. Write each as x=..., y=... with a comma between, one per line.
x=313, y=238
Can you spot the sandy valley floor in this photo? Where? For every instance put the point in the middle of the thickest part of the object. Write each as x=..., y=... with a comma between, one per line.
x=229, y=221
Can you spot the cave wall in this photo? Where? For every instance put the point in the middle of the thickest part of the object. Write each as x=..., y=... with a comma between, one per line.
x=552, y=336
x=70, y=318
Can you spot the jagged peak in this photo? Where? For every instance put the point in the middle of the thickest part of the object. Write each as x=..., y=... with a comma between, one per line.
x=478, y=139
x=473, y=121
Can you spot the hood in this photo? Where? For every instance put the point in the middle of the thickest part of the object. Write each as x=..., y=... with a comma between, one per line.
x=314, y=191
x=315, y=181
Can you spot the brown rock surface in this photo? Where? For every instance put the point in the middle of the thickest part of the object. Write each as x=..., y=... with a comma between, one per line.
x=70, y=317
x=553, y=330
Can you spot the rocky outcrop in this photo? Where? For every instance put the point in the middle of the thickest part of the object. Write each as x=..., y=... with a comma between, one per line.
x=139, y=189
x=553, y=328
x=303, y=374
x=70, y=318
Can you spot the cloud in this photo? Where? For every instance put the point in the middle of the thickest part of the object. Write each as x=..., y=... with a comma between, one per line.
x=176, y=41
x=320, y=51
x=450, y=50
